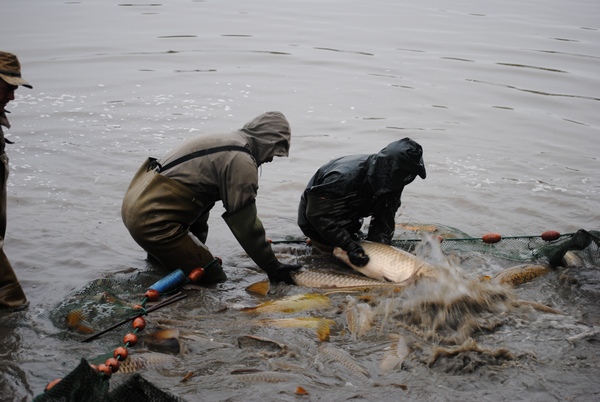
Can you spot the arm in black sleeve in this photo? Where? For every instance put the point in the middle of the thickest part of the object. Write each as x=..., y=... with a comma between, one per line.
x=383, y=221
x=328, y=216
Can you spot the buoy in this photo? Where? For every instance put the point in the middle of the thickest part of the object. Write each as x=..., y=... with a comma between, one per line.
x=152, y=295
x=121, y=353
x=550, y=235
x=130, y=339
x=113, y=364
x=491, y=238
x=170, y=282
x=139, y=323
x=52, y=384
x=196, y=274
x=103, y=368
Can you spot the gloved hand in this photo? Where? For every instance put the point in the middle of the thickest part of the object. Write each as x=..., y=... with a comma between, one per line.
x=356, y=255
x=279, y=272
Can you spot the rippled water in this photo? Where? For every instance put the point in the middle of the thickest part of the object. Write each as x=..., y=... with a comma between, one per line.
x=502, y=95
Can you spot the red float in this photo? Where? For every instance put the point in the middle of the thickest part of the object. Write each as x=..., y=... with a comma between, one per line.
x=130, y=339
x=196, y=274
x=152, y=295
x=139, y=323
x=121, y=353
x=103, y=368
x=491, y=238
x=550, y=235
x=52, y=384
x=113, y=364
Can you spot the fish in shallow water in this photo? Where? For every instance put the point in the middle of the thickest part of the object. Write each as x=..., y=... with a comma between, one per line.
x=394, y=354
x=264, y=376
x=387, y=263
x=327, y=280
x=292, y=304
x=295, y=322
x=141, y=361
x=359, y=317
x=521, y=274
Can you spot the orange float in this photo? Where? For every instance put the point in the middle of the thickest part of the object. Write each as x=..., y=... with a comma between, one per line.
x=550, y=235
x=113, y=364
x=491, y=238
x=130, y=339
x=196, y=274
x=52, y=384
x=121, y=353
x=152, y=295
x=139, y=323
x=103, y=368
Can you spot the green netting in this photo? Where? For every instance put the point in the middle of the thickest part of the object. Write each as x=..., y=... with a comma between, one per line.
x=86, y=384
x=513, y=248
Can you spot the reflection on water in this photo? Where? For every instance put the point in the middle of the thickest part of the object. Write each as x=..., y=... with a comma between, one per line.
x=501, y=96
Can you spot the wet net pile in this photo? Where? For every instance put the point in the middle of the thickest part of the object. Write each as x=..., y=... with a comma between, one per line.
x=106, y=301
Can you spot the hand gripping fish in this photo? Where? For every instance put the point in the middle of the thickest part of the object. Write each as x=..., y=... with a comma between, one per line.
x=388, y=263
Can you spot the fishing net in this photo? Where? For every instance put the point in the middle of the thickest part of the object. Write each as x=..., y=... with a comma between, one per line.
x=99, y=308
x=103, y=302
x=550, y=246
x=86, y=384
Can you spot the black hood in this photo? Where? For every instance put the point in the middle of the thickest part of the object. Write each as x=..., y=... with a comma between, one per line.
x=396, y=166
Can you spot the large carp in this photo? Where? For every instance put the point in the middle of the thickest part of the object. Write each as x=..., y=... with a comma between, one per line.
x=387, y=263
x=327, y=280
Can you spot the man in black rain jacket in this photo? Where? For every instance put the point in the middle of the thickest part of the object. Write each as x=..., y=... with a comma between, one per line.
x=345, y=190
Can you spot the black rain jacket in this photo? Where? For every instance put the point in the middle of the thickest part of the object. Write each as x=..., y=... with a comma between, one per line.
x=345, y=190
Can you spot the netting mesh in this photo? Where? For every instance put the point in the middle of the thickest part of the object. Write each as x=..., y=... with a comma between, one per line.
x=513, y=248
x=86, y=384
x=104, y=301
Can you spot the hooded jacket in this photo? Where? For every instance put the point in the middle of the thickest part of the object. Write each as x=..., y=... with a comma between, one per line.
x=347, y=189
x=231, y=176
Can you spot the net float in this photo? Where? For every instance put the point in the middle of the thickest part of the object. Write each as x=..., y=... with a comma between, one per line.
x=52, y=384
x=139, y=323
x=121, y=353
x=130, y=339
x=103, y=368
x=113, y=364
x=550, y=235
x=196, y=274
x=152, y=295
x=491, y=238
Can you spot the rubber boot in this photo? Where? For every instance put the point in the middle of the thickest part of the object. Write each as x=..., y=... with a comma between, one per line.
x=11, y=293
x=213, y=273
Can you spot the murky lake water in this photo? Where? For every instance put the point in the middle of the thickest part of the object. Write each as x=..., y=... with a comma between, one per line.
x=503, y=97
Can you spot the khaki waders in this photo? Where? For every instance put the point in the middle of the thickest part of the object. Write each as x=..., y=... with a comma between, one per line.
x=158, y=213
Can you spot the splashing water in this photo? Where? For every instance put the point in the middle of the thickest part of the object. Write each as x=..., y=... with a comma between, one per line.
x=450, y=306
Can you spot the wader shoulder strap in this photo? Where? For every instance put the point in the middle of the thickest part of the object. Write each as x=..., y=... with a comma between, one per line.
x=160, y=168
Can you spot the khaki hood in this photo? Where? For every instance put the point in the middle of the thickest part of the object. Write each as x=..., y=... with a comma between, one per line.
x=268, y=135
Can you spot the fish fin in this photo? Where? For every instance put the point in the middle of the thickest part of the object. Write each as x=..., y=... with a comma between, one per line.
x=261, y=288
x=323, y=330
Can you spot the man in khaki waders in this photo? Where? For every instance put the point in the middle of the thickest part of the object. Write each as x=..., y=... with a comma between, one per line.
x=11, y=293
x=167, y=204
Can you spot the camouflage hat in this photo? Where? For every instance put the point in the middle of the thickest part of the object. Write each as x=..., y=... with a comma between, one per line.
x=10, y=70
